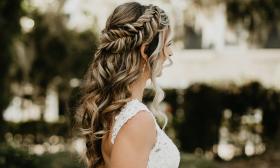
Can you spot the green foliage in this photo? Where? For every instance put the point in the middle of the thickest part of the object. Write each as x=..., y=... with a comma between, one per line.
x=18, y=158
x=10, y=13
x=11, y=158
x=192, y=161
x=253, y=13
x=37, y=127
x=59, y=52
x=261, y=18
x=54, y=54
x=205, y=104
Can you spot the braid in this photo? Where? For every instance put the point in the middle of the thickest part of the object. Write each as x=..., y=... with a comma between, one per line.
x=131, y=35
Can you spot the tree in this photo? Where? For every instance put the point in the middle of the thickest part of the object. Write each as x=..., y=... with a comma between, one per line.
x=10, y=13
x=260, y=18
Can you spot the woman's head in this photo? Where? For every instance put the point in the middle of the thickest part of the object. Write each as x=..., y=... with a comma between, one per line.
x=138, y=31
x=134, y=35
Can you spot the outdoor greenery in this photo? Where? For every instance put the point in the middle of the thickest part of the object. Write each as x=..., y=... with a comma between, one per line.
x=13, y=158
x=55, y=55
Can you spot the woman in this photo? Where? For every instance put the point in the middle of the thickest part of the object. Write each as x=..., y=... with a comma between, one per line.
x=119, y=130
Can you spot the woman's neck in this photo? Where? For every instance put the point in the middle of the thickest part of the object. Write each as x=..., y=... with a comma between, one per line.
x=137, y=89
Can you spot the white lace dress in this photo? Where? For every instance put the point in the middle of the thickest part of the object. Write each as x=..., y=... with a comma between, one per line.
x=165, y=153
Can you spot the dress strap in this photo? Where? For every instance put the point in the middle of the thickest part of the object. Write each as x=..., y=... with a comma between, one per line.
x=128, y=111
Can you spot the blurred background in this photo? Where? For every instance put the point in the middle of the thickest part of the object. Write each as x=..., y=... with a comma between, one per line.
x=222, y=92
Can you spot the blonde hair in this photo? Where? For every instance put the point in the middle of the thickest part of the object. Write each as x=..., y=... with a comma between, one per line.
x=117, y=64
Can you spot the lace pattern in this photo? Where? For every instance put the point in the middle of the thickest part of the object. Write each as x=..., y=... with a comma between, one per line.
x=165, y=153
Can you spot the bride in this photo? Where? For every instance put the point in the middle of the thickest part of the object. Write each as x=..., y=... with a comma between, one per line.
x=120, y=131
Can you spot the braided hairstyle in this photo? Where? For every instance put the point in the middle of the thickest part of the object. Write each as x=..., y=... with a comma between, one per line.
x=116, y=64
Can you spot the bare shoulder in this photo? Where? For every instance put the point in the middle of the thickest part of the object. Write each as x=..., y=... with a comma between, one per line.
x=139, y=129
x=134, y=141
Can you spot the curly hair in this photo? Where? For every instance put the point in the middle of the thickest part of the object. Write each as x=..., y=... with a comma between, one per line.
x=116, y=65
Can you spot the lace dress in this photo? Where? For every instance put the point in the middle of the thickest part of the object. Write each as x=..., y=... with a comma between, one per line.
x=165, y=153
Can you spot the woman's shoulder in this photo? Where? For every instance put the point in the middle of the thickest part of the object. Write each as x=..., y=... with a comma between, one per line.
x=134, y=120
x=140, y=125
x=135, y=139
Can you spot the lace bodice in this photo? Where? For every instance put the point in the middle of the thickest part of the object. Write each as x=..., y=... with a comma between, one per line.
x=165, y=153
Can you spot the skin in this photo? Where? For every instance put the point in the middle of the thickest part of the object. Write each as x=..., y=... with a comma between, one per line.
x=137, y=136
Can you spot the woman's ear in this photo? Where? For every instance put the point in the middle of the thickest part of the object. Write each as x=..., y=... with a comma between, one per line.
x=142, y=51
